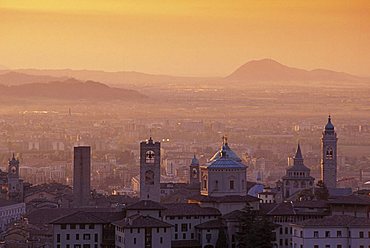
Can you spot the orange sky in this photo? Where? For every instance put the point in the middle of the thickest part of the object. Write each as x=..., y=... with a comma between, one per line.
x=184, y=37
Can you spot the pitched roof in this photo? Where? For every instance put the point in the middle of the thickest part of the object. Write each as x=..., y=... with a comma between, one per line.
x=80, y=217
x=212, y=224
x=145, y=205
x=140, y=221
x=284, y=208
x=4, y=202
x=189, y=209
x=336, y=220
x=351, y=200
x=228, y=198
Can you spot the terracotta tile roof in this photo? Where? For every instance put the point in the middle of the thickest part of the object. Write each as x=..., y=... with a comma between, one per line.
x=145, y=205
x=351, y=200
x=212, y=224
x=284, y=208
x=229, y=198
x=311, y=204
x=139, y=221
x=79, y=218
x=188, y=209
x=4, y=202
x=336, y=221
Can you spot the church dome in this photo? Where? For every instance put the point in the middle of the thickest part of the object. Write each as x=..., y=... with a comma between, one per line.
x=226, y=150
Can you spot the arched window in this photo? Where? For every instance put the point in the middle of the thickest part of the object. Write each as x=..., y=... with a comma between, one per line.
x=329, y=153
x=149, y=157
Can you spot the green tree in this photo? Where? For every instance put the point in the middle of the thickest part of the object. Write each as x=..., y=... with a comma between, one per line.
x=255, y=230
x=222, y=239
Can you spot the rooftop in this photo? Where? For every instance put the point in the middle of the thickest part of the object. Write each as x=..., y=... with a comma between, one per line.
x=139, y=221
x=336, y=221
x=145, y=205
x=189, y=209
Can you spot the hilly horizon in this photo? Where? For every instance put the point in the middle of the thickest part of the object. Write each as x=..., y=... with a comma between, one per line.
x=70, y=89
x=263, y=70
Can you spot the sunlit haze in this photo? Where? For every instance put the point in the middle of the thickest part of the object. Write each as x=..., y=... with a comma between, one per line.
x=184, y=37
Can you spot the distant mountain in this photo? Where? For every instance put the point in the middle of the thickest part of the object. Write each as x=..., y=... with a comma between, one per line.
x=70, y=89
x=17, y=78
x=270, y=70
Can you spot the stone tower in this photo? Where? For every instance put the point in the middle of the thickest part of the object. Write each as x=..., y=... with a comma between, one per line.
x=15, y=186
x=81, y=175
x=194, y=172
x=329, y=155
x=150, y=171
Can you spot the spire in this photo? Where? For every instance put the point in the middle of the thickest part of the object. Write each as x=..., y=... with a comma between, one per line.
x=298, y=154
x=13, y=156
x=194, y=161
x=224, y=140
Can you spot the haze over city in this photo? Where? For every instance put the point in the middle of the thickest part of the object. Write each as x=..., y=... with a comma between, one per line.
x=199, y=124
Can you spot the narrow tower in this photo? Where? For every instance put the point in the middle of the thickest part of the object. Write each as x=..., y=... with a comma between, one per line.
x=329, y=155
x=194, y=180
x=81, y=175
x=15, y=186
x=150, y=171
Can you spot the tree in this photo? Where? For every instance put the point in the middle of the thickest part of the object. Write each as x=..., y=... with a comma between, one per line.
x=222, y=239
x=255, y=230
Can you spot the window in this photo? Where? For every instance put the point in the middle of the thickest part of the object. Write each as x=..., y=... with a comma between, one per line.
x=86, y=246
x=361, y=234
x=58, y=238
x=184, y=227
x=73, y=226
x=96, y=237
x=77, y=236
x=86, y=236
x=286, y=230
x=339, y=246
x=82, y=226
x=63, y=226
x=315, y=246
x=176, y=228
x=67, y=236
x=192, y=235
x=281, y=230
x=161, y=240
x=149, y=157
x=327, y=246
x=327, y=234
x=208, y=237
x=134, y=241
x=176, y=236
x=315, y=234
x=231, y=184
x=91, y=226
x=281, y=242
x=184, y=236
x=339, y=234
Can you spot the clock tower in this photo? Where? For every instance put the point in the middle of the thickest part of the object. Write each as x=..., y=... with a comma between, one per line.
x=15, y=187
x=150, y=171
x=194, y=179
x=329, y=155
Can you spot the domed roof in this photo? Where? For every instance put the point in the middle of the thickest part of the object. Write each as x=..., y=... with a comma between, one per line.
x=227, y=150
x=194, y=161
x=329, y=125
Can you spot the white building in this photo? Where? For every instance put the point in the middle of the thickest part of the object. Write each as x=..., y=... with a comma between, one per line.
x=332, y=232
x=10, y=211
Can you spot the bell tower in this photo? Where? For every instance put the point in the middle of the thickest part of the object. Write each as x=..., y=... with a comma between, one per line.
x=329, y=155
x=194, y=172
x=150, y=171
x=15, y=187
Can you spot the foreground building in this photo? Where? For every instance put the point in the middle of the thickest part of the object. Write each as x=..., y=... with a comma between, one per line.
x=333, y=231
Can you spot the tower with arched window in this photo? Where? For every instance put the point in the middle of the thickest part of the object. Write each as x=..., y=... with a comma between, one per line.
x=329, y=155
x=150, y=173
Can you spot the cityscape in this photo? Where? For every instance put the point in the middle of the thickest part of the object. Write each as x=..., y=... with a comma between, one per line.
x=203, y=149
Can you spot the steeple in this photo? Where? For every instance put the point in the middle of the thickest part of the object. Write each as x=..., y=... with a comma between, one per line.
x=195, y=161
x=298, y=154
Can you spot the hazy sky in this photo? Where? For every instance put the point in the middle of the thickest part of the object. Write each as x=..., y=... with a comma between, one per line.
x=184, y=37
